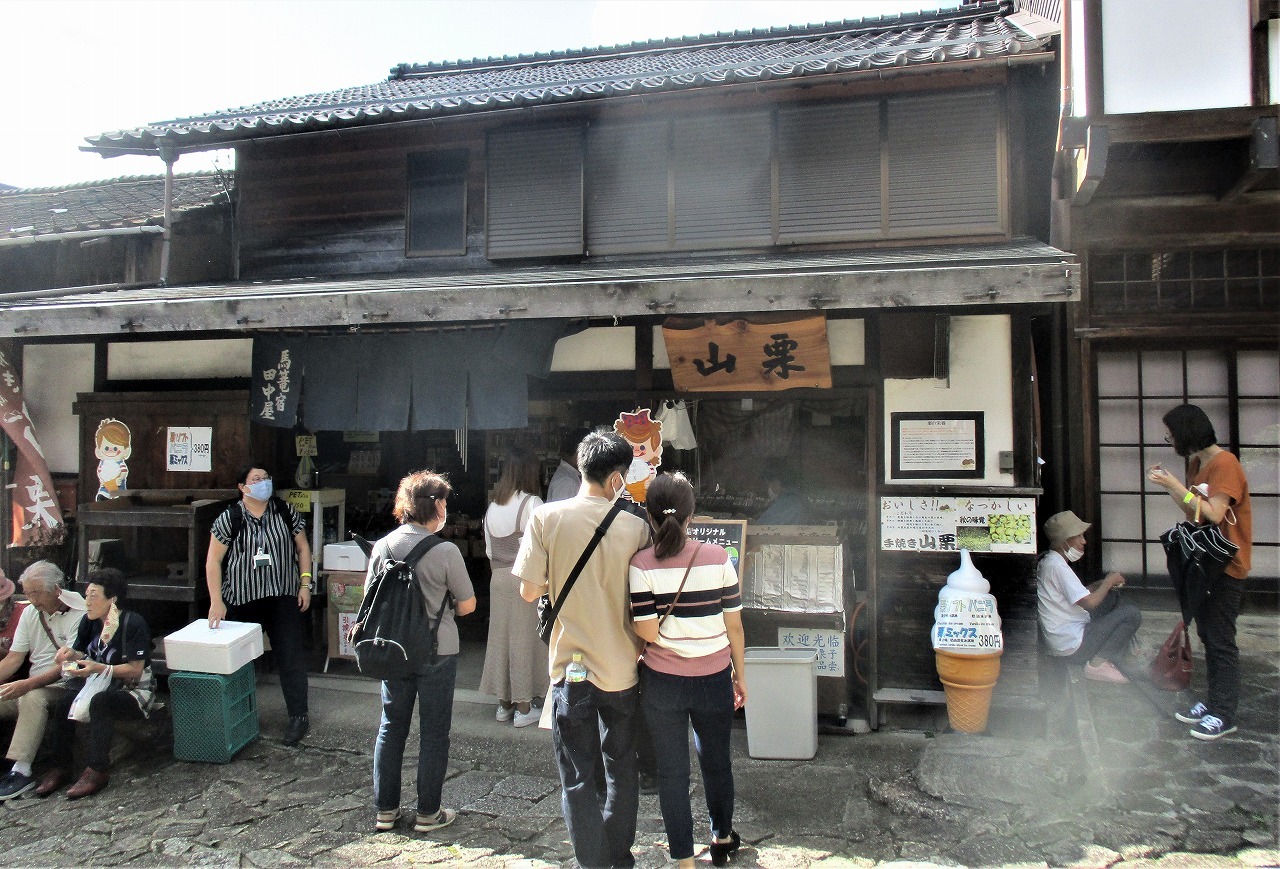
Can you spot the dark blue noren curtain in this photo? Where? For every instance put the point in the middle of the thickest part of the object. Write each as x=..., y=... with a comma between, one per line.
x=498, y=393
x=333, y=387
x=422, y=381
x=528, y=345
x=438, y=365
x=385, y=382
x=278, y=364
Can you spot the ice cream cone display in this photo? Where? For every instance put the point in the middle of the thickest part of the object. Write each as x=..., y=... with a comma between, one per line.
x=967, y=645
x=968, y=681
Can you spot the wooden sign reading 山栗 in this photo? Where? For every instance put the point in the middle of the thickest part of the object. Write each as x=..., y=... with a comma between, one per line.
x=759, y=354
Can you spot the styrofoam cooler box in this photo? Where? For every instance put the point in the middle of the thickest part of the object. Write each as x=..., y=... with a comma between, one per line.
x=223, y=650
x=345, y=556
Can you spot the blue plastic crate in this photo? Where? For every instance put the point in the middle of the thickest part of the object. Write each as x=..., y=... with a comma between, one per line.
x=214, y=716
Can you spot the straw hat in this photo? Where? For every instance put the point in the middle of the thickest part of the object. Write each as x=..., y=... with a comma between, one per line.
x=6, y=587
x=1061, y=526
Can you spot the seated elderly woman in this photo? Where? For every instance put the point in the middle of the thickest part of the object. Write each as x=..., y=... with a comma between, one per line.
x=1084, y=624
x=110, y=640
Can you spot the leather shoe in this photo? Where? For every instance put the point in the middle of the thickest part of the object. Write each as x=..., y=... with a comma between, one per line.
x=91, y=781
x=298, y=727
x=52, y=780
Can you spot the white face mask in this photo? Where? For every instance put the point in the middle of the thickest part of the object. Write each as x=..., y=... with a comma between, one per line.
x=617, y=493
x=1073, y=554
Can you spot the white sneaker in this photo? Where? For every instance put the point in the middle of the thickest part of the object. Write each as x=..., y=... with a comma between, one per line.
x=504, y=713
x=524, y=719
x=1192, y=715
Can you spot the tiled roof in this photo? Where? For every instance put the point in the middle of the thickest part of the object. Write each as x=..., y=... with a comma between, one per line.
x=973, y=32
x=120, y=202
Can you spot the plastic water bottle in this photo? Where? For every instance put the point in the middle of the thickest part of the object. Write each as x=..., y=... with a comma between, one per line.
x=576, y=671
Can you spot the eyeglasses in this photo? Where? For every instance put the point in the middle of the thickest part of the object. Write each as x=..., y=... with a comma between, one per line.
x=252, y=480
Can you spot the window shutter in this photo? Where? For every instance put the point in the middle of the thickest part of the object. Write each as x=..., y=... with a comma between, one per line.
x=722, y=181
x=533, y=203
x=627, y=188
x=944, y=164
x=829, y=172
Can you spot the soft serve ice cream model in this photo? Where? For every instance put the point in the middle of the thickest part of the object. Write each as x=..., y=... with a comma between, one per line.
x=967, y=644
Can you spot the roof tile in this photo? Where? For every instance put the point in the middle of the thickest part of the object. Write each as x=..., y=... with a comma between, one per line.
x=975, y=31
x=120, y=202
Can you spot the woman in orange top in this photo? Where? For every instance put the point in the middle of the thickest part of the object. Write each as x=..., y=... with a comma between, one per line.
x=1225, y=503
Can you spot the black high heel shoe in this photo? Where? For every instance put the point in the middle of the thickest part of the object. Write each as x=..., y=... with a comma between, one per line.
x=722, y=851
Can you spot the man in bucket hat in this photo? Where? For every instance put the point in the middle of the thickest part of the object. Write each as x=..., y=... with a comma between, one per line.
x=1084, y=624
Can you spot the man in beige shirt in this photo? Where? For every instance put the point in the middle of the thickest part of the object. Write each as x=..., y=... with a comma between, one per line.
x=595, y=719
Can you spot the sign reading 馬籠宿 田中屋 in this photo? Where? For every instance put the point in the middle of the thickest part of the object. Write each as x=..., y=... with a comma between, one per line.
x=756, y=354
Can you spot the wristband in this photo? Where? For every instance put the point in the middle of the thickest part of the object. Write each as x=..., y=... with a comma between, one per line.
x=307, y=574
x=1189, y=497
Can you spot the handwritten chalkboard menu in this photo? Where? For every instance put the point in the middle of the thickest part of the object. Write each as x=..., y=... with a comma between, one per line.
x=729, y=533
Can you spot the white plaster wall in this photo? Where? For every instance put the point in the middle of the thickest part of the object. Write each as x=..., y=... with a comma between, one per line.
x=52, y=374
x=605, y=348
x=981, y=380
x=847, y=340
x=180, y=360
x=1171, y=55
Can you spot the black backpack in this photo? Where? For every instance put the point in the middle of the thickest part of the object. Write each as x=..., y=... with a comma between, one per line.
x=392, y=634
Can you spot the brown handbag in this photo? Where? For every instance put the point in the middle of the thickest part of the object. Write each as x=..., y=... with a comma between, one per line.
x=1171, y=667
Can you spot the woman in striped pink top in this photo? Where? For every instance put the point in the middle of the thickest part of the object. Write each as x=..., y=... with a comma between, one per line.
x=686, y=605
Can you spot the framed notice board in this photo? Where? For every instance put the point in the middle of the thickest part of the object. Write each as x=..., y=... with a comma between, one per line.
x=729, y=533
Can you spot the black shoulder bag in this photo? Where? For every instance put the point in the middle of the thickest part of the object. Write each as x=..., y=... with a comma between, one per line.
x=547, y=611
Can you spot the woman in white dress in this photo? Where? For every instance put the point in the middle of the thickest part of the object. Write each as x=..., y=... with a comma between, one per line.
x=515, y=662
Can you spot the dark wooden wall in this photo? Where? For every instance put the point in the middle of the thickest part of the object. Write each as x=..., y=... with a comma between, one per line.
x=148, y=415
x=335, y=203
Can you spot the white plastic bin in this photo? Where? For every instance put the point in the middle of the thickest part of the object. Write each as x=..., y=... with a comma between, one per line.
x=782, y=703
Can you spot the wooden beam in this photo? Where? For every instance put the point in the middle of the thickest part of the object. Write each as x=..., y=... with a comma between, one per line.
x=1091, y=164
x=353, y=304
x=1194, y=125
x=1219, y=224
x=1264, y=158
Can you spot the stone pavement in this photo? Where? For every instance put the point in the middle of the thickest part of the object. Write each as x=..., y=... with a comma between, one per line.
x=895, y=797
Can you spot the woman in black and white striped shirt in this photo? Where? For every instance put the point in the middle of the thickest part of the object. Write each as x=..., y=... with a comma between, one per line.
x=686, y=604
x=267, y=581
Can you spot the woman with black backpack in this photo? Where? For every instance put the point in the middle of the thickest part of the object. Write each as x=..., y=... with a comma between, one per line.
x=420, y=508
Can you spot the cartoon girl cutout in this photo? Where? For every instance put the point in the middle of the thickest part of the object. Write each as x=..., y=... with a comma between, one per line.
x=113, y=444
x=645, y=436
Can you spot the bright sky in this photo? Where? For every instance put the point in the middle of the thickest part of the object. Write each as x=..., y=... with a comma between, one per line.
x=72, y=69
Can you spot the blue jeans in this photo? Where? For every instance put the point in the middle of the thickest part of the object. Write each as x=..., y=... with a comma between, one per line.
x=590, y=725
x=434, y=692
x=671, y=704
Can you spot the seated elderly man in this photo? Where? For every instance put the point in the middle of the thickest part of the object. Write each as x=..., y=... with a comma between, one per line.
x=47, y=625
x=1084, y=624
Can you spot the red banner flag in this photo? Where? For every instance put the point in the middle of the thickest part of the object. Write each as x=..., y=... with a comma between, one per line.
x=36, y=515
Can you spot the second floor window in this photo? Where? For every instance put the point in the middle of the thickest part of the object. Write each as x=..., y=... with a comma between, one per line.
x=437, y=224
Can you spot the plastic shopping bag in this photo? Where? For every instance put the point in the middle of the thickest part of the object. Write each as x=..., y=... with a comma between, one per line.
x=99, y=681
